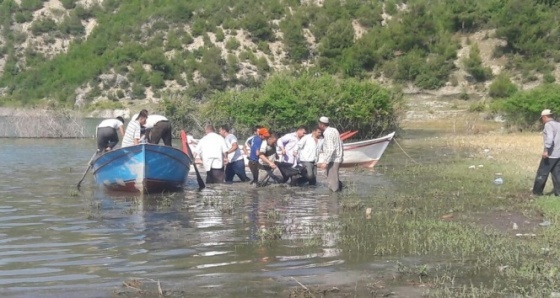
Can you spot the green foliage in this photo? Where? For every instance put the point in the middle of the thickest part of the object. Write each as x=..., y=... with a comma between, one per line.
x=502, y=87
x=31, y=5
x=549, y=78
x=259, y=26
x=68, y=4
x=23, y=17
x=473, y=65
x=72, y=25
x=220, y=35
x=183, y=112
x=43, y=25
x=138, y=91
x=284, y=102
x=294, y=40
x=211, y=68
x=418, y=45
x=232, y=44
x=524, y=107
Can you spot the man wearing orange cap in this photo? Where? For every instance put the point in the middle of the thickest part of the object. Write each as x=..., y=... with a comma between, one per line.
x=268, y=158
x=261, y=134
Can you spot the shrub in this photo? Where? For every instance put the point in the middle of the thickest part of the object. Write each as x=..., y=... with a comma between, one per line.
x=68, y=4
x=31, y=5
x=524, y=107
x=43, y=25
x=219, y=35
x=72, y=25
x=138, y=91
x=502, y=87
x=549, y=78
x=278, y=104
x=474, y=67
x=23, y=17
x=232, y=44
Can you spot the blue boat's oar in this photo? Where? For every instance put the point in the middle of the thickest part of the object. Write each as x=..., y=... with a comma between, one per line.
x=186, y=146
x=87, y=170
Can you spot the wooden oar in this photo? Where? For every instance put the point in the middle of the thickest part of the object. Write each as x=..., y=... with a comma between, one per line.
x=188, y=152
x=344, y=133
x=87, y=170
x=348, y=135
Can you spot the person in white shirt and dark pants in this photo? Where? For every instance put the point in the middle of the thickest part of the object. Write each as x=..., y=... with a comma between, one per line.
x=308, y=154
x=212, y=150
x=106, y=133
x=158, y=128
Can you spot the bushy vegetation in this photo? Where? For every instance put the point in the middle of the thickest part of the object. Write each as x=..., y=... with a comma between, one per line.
x=524, y=107
x=284, y=102
x=349, y=38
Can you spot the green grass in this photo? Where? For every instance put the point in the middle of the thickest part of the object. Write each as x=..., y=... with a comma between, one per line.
x=434, y=213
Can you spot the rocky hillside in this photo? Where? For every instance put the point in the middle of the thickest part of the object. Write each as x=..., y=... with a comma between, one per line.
x=110, y=53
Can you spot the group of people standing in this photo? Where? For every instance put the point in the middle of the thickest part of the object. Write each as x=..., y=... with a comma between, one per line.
x=293, y=156
x=141, y=128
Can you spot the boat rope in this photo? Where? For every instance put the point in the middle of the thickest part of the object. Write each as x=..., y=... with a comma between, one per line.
x=394, y=139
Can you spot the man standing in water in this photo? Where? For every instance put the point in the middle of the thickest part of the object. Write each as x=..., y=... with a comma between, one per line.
x=288, y=145
x=550, y=155
x=307, y=154
x=212, y=150
x=236, y=163
x=333, y=154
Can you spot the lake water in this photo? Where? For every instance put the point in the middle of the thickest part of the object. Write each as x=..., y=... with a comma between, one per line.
x=234, y=239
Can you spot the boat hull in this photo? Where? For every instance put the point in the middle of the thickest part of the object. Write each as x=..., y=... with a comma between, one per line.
x=365, y=153
x=143, y=168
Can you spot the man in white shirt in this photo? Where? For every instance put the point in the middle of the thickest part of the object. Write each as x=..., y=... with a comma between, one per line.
x=212, y=150
x=288, y=145
x=236, y=163
x=133, y=130
x=308, y=153
x=158, y=127
x=333, y=152
x=106, y=133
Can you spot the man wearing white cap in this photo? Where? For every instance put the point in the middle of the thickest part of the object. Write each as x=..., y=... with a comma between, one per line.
x=333, y=153
x=550, y=155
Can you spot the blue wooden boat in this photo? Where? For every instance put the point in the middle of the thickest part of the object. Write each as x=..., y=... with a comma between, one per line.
x=143, y=168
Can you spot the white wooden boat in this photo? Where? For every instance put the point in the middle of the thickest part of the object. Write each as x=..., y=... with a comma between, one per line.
x=365, y=153
x=362, y=153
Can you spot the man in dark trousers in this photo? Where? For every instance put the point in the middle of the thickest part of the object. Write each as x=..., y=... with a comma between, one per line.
x=550, y=155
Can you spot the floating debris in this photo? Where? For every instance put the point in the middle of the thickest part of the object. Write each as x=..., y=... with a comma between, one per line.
x=545, y=223
x=499, y=181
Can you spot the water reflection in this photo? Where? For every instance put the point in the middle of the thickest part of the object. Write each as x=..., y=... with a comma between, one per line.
x=55, y=240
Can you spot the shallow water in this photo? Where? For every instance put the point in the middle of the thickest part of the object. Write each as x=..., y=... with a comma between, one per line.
x=56, y=241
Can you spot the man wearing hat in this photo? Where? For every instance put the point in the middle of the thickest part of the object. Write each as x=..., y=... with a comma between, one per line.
x=333, y=153
x=550, y=155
